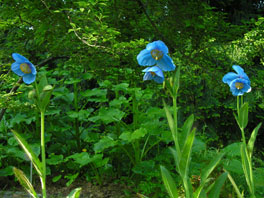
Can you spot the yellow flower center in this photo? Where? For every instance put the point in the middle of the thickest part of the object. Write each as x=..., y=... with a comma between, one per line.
x=156, y=54
x=239, y=85
x=25, y=68
x=153, y=74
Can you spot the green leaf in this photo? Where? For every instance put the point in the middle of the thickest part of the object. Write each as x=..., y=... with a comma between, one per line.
x=217, y=186
x=170, y=119
x=232, y=150
x=246, y=167
x=139, y=133
x=54, y=159
x=45, y=97
x=234, y=185
x=75, y=193
x=234, y=165
x=7, y=171
x=104, y=143
x=56, y=178
x=243, y=116
x=186, y=130
x=252, y=139
x=176, y=159
x=186, y=155
x=169, y=183
x=207, y=171
x=23, y=180
x=31, y=155
x=95, y=95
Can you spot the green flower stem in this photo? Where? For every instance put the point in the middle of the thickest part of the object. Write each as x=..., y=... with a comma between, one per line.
x=43, y=178
x=238, y=106
x=243, y=136
x=76, y=121
x=175, y=112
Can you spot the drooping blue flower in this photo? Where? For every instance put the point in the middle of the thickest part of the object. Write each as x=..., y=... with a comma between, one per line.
x=156, y=53
x=23, y=67
x=239, y=82
x=153, y=73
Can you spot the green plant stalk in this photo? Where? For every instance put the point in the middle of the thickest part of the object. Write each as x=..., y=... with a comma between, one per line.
x=175, y=117
x=250, y=179
x=136, y=145
x=76, y=122
x=43, y=156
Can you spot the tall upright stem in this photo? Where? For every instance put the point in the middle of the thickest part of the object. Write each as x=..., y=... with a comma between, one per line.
x=43, y=156
x=175, y=116
x=76, y=121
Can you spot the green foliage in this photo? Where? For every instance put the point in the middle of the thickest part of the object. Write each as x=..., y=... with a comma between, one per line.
x=102, y=120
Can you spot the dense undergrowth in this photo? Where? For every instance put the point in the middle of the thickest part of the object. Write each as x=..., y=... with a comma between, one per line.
x=103, y=121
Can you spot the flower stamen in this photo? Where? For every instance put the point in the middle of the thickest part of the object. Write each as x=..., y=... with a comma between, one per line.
x=156, y=54
x=152, y=73
x=239, y=85
x=25, y=68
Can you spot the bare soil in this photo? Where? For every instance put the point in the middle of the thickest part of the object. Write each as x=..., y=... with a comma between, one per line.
x=58, y=190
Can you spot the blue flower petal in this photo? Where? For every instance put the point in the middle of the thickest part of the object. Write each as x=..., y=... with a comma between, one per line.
x=147, y=76
x=33, y=68
x=159, y=45
x=144, y=58
x=158, y=79
x=156, y=70
x=29, y=78
x=229, y=77
x=15, y=67
x=166, y=63
x=19, y=58
x=239, y=92
x=238, y=69
x=240, y=72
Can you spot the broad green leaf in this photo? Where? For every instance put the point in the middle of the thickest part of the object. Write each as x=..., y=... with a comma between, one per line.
x=23, y=180
x=31, y=155
x=104, y=143
x=252, y=139
x=95, y=95
x=139, y=133
x=186, y=155
x=217, y=186
x=232, y=150
x=145, y=168
x=243, y=116
x=206, y=172
x=108, y=115
x=169, y=183
x=234, y=166
x=186, y=130
x=7, y=171
x=54, y=159
x=75, y=193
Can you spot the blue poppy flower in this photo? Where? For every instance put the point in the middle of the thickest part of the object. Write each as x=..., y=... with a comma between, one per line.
x=239, y=82
x=153, y=73
x=23, y=67
x=156, y=53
